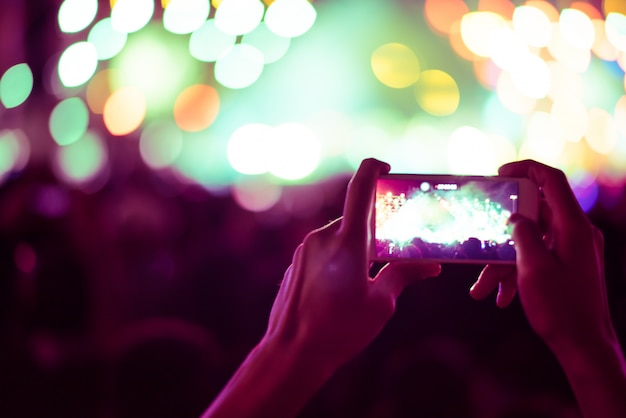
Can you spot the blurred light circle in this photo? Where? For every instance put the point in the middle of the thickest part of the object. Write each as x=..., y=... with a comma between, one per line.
x=602, y=133
x=16, y=84
x=576, y=28
x=564, y=83
x=238, y=17
x=76, y=15
x=240, y=67
x=77, y=64
x=108, y=41
x=620, y=115
x=532, y=77
x=437, y=93
x=613, y=6
x=124, y=111
x=395, y=65
x=573, y=58
x=615, y=28
x=256, y=195
x=544, y=138
x=441, y=15
x=295, y=151
x=14, y=151
x=185, y=16
x=272, y=46
x=196, y=107
x=290, y=18
x=129, y=16
x=602, y=47
x=68, y=121
x=511, y=97
x=508, y=48
x=478, y=29
x=368, y=140
x=470, y=151
x=533, y=25
x=208, y=43
x=160, y=143
x=571, y=115
x=99, y=90
x=82, y=160
x=250, y=148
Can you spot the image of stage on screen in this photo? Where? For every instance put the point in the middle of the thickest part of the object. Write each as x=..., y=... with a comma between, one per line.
x=445, y=220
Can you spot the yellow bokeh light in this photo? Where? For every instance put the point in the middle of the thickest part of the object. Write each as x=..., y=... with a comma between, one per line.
x=98, y=91
x=124, y=111
x=395, y=65
x=614, y=6
x=573, y=58
x=602, y=133
x=601, y=46
x=437, y=93
x=196, y=107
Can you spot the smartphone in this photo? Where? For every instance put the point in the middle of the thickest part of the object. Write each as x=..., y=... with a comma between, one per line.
x=449, y=219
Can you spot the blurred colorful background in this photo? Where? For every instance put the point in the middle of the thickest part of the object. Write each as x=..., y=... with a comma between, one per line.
x=160, y=161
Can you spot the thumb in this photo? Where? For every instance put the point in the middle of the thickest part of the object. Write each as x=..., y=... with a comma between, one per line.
x=529, y=245
x=394, y=277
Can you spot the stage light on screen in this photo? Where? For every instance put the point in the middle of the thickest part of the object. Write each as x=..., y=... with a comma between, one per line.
x=16, y=84
x=160, y=144
x=185, y=16
x=129, y=16
x=290, y=18
x=76, y=15
x=68, y=121
x=208, y=43
x=124, y=111
x=239, y=67
x=395, y=65
x=108, y=41
x=272, y=46
x=77, y=64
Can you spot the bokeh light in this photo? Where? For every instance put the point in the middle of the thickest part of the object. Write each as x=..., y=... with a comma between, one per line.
x=533, y=25
x=395, y=65
x=295, y=152
x=441, y=15
x=208, y=43
x=14, y=151
x=256, y=195
x=124, y=111
x=76, y=15
x=16, y=84
x=107, y=41
x=81, y=161
x=471, y=151
x=239, y=67
x=238, y=17
x=250, y=149
x=77, y=64
x=185, y=16
x=437, y=93
x=129, y=16
x=196, y=107
x=69, y=121
x=272, y=46
x=290, y=18
x=160, y=144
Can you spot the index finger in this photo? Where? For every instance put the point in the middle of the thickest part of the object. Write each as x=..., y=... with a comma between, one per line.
x=359, y=202
x=556, y=189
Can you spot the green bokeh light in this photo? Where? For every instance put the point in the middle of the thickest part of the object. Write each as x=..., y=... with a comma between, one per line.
x=16, y=85
x=83, y=159
x=68, y=121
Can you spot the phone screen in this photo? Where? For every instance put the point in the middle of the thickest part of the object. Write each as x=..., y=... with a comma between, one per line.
x=447, y=218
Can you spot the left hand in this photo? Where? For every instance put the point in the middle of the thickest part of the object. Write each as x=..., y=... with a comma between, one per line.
x=327, y=304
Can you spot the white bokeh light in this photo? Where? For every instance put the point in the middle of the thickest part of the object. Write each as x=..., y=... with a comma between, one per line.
x=129, y=16
x=77, y=64
x=249, y=148
x=240, y=67
x=76, y=15
x=238, y=17
x=296, y=151
x=185, y=16
x=290, y=18
x=470, y=151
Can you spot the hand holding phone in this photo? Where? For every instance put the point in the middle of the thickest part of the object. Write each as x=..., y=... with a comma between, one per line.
x=446, y=218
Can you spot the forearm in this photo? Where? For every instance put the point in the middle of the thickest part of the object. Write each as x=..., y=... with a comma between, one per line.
x=597, y=374
x=275, y=380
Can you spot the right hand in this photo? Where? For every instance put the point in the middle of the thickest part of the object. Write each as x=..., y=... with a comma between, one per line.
x=559, y=272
